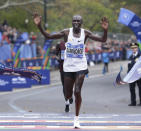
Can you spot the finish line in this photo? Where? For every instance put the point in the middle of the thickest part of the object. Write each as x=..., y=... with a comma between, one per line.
x=65, y=121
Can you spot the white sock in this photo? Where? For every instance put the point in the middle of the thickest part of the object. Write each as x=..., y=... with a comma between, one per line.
x=67, y=102
x=76, y=118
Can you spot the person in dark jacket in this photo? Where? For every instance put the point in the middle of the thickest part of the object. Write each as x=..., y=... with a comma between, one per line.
x=133, y=59
x=60, y=48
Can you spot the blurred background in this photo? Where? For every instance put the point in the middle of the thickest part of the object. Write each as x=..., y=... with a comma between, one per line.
x=22, y=45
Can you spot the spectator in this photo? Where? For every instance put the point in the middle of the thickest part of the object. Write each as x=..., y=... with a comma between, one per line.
x=105, y=58
x=133, y=58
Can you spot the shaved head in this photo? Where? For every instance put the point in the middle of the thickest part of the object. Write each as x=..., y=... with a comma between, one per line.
x=76, y=23
x=77, y=17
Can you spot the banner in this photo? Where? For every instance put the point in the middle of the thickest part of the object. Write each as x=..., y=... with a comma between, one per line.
x=20, y=82
x=8, y=82
x=45, y=77
x=22, y=72
x=5, y=83
x=130, y=19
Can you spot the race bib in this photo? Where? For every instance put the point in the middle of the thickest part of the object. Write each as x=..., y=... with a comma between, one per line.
x=74, y=51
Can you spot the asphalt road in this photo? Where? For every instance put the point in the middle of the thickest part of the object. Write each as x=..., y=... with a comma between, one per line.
x=102, y=102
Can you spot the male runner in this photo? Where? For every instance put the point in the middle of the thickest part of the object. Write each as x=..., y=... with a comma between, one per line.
x=60, y=48
x=75, y=63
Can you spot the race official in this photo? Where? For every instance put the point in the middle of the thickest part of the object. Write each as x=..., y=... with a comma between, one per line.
x=133, y=59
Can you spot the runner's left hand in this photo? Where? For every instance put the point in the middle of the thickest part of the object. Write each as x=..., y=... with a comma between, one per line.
x=104, y=23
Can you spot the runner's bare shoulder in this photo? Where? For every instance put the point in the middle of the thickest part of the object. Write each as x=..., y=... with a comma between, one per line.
x=66, y=31
x=87, y=32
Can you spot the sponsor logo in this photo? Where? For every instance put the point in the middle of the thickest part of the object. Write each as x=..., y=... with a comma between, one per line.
x=3, y=82
x=139, y=33
x=44, y=77
x=125, y=16
x=18, y=80
x=135, y=24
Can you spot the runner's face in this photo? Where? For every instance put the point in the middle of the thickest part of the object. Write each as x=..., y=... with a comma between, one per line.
x=77, y=22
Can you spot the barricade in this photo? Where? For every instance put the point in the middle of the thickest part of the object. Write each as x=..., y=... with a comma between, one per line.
x=45, y=77
x=5, y=83
x=20, y=82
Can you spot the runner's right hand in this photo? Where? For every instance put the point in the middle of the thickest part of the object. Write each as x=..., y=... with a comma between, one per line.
x=37, y=19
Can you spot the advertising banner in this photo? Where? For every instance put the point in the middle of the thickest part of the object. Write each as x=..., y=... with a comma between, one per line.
x=45, y=77
x=20, y=82
x=5, y=83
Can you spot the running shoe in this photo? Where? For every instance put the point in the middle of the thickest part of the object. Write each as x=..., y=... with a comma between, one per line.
x=76, y=122
x=67, y=109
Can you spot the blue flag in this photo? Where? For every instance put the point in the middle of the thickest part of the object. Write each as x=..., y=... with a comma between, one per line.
x=131, y=20
x=125, y=16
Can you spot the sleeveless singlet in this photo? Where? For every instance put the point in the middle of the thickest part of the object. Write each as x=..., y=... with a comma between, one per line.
x=74, y=55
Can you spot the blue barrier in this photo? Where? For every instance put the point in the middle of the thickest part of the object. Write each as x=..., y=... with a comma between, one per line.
x=45, y=78
x=5, y=83
x=20, y=82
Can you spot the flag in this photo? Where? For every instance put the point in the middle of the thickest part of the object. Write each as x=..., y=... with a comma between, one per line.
x=133, y=75
x=131, y=20
x=125, y=16
x=119, y=81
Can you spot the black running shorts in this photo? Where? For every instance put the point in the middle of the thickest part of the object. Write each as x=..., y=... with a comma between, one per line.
x=74, y=74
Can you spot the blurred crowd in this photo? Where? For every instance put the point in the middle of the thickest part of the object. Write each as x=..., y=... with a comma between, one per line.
x=11, y=39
